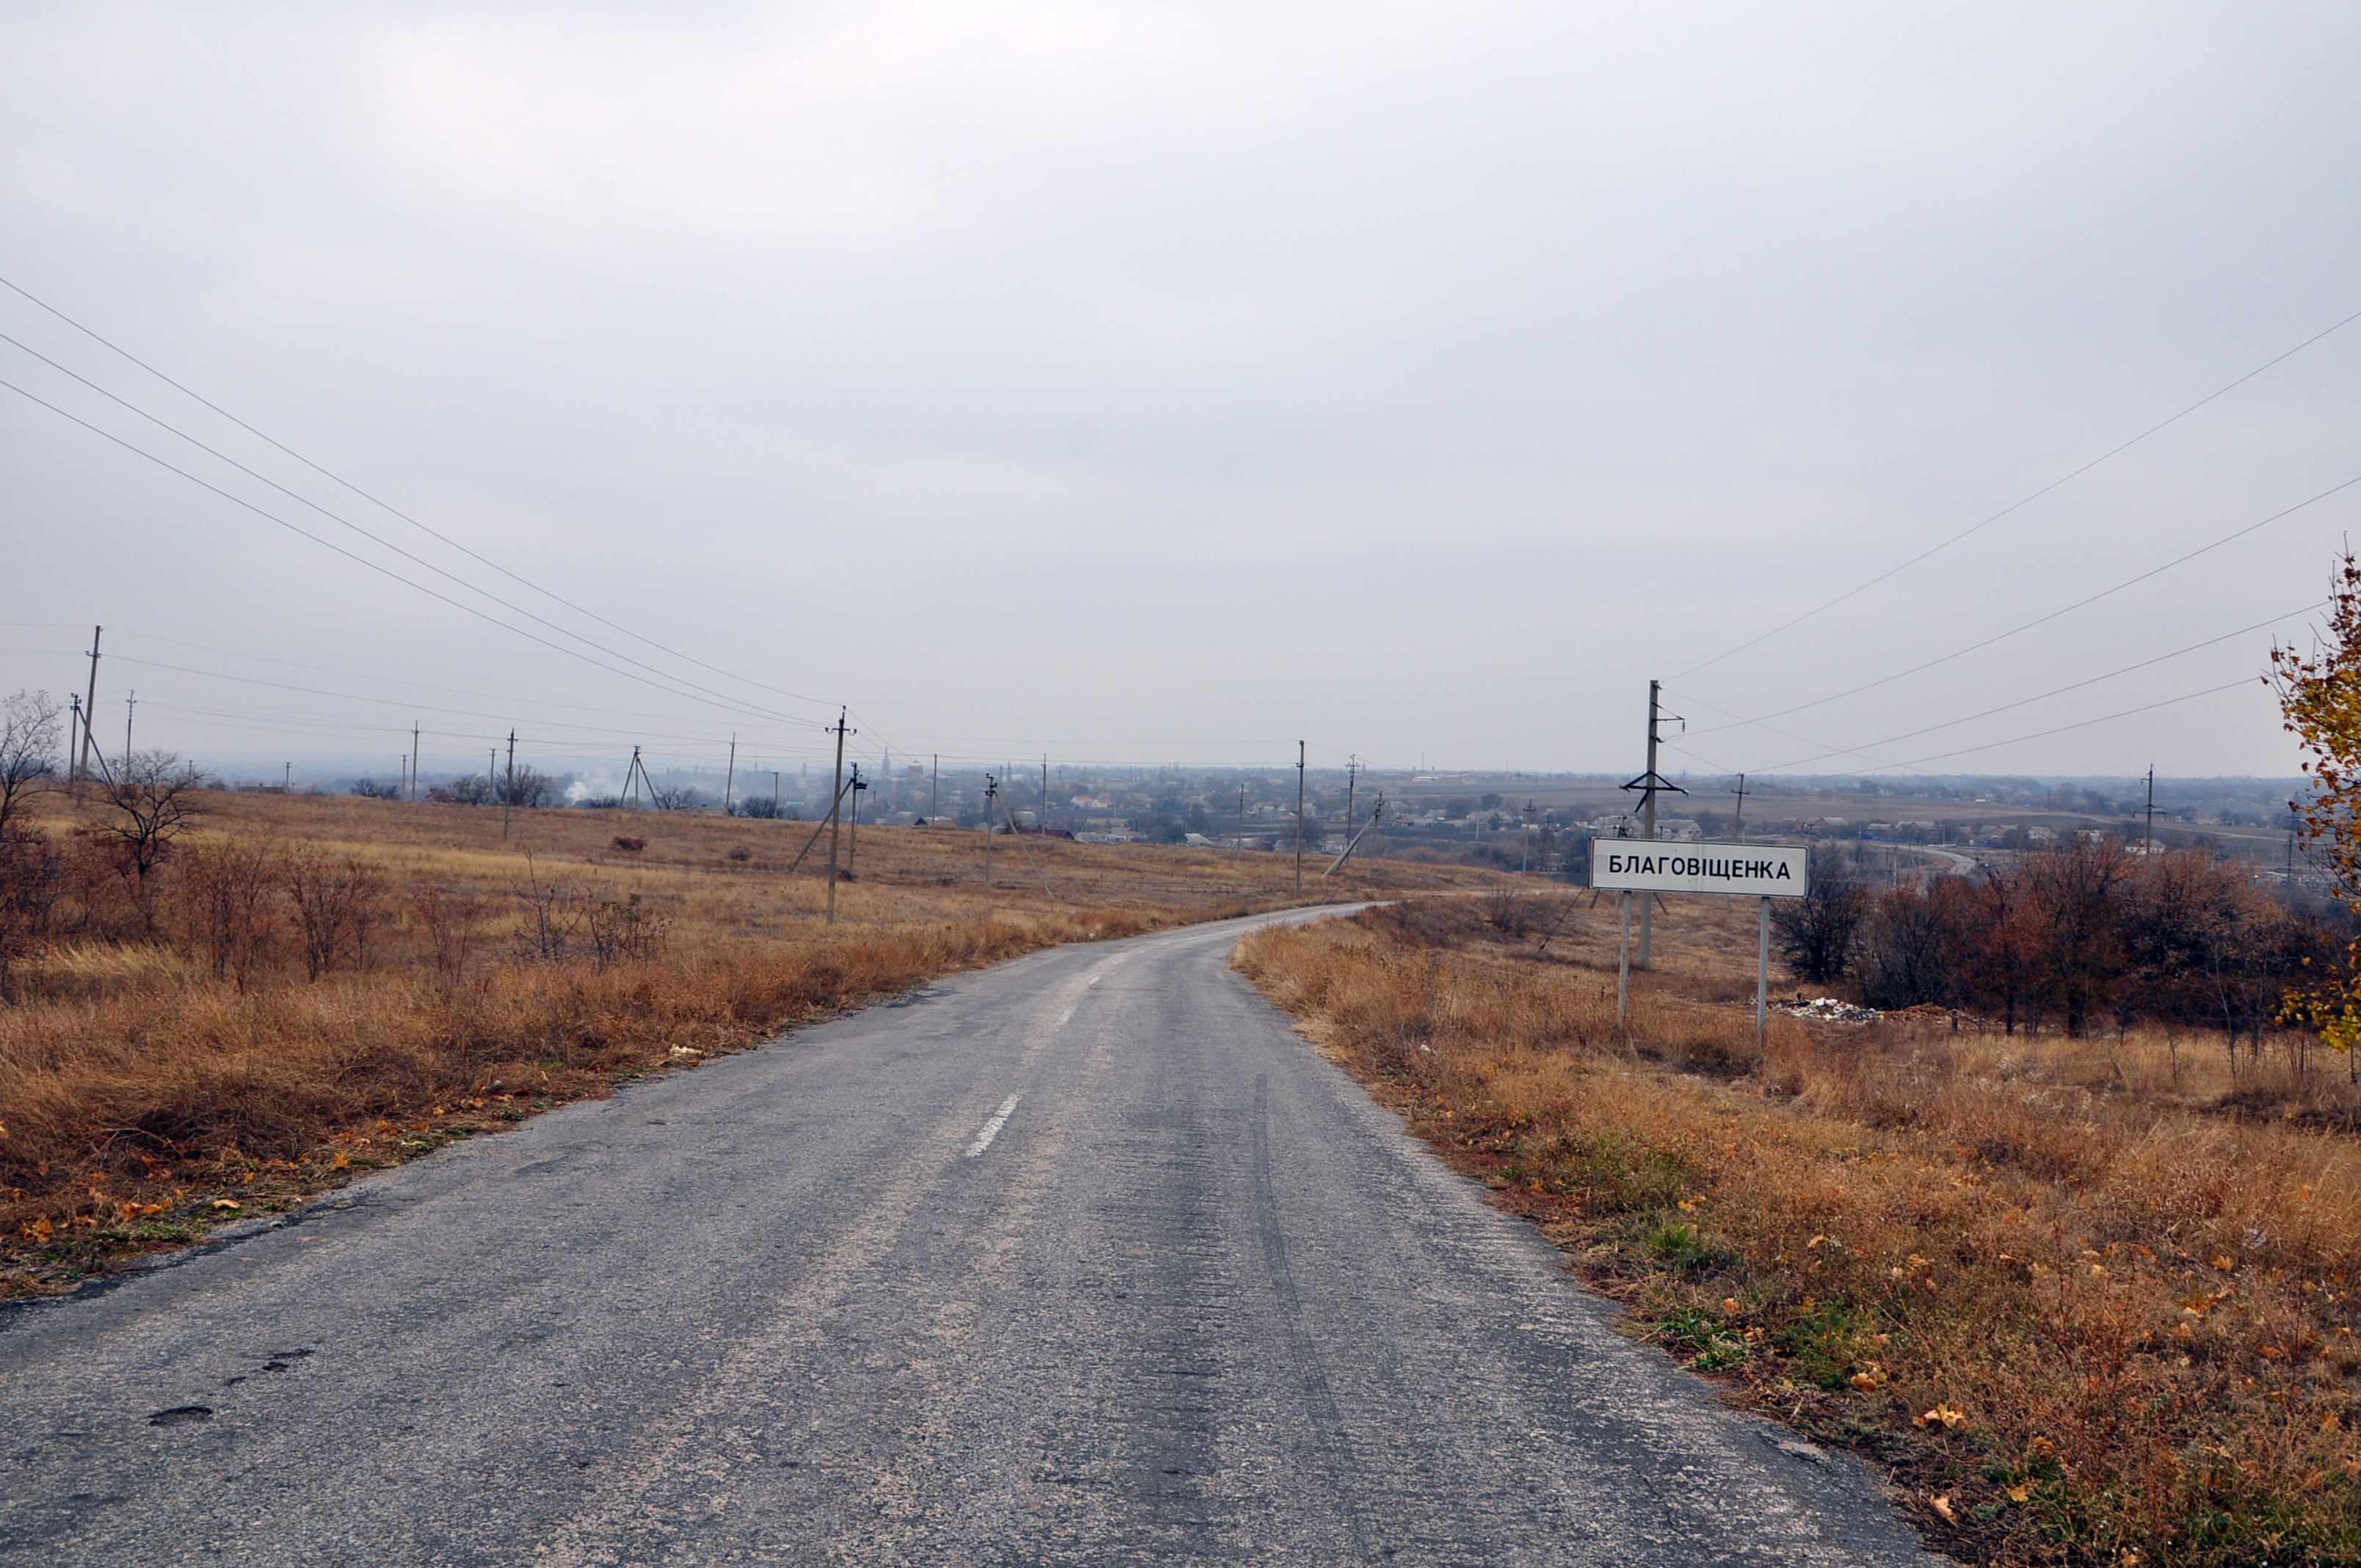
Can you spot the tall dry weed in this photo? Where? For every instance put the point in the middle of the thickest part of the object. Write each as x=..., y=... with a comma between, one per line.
x=2089, y=1319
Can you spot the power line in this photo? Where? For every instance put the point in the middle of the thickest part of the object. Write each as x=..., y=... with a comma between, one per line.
x=2035, y=735
x=2024, y=501
x=1951, y=723
x=346, y=522
x=373, y=500
x=2053, y=615
x=692, y=694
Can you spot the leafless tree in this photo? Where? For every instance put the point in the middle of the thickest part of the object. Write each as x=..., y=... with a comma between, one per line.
x=155, y=796
x=1814, y=933
x=28, y=745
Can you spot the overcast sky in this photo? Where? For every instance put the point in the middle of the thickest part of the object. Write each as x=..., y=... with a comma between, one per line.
x=1164, y=383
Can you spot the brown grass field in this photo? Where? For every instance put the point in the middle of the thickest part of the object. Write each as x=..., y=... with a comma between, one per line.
x=2091, y=1301
x=170, y=1062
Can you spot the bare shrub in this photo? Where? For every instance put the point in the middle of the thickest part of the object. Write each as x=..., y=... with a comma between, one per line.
x=227, y=897
x=154, y=795
x=1507, y=911
x=337, y=900
x=452, y=920
x=33, y=878
x=553, y=916
x=621, y=930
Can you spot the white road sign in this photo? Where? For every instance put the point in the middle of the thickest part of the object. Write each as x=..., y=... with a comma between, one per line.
x=1755, y=870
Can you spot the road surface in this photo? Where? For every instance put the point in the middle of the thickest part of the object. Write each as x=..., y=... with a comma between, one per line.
x=1084, y=1259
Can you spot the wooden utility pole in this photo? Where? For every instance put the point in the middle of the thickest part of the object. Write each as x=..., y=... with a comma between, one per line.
x=89, y=714
x=729, y=778
x=1299, y=817
x=508, y=795
x=836, y=814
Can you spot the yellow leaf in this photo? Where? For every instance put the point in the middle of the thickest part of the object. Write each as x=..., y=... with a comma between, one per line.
x=1943, y=1506
x=1731, y=1305
x=2020, y=1493
x=2224, y=1264
x=226, y=1203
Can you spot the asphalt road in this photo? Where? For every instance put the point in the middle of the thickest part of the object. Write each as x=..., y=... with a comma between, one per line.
x=1084, y=1259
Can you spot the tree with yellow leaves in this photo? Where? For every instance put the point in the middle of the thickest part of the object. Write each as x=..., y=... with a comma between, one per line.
x=2320, y=700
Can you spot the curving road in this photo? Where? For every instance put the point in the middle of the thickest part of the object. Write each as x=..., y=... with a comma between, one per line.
x=1084, y=1259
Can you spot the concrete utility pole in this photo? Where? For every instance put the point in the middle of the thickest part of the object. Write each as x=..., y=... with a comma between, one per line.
x=1649, y=783
x=1299, y=816
x=129, y=705
x=74, y=739
x=852, y=841
x=2147, y=835
x=508, y=795
x=88, y=713
x=1242, y=816
x=836, y=814
x=935, y=786
x=1042, y=826
x=774, y=795
x=991, y=800
x=1352, y=776
x=1741, y=792
x=414, y=761
x=729, y=778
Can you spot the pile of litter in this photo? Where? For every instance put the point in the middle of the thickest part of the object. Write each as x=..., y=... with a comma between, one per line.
x=1828, y=1009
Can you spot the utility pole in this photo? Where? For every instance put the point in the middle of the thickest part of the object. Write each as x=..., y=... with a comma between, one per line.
x=129, y=705
x=2148, y=838
x=852, y=844
x=1649, y=783
x=1299, y=818
x=935, y=786
x=836, y=814
x=1043, y=825
x=774, y=795
x=729, y=778
x=413, y=760
x=508, y=795
x=1741, y=792
x=1352, y=776
x=1242, y=816
x=991, y=796
x=74, y=739
x=88, y=713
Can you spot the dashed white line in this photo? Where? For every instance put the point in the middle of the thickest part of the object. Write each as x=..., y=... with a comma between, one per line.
x=991, y=1129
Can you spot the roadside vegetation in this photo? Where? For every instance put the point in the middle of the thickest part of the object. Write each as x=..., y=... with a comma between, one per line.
x=213, y=1003
x=2090, y=1297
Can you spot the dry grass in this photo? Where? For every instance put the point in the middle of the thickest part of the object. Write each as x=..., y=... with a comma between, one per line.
x=143, y=1097
x=2090, y=1298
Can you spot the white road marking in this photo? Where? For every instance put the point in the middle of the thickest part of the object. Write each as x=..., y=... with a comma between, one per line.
x=991, y=1129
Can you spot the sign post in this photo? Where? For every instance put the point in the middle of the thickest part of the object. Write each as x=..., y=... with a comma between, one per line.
x=1761, y=871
